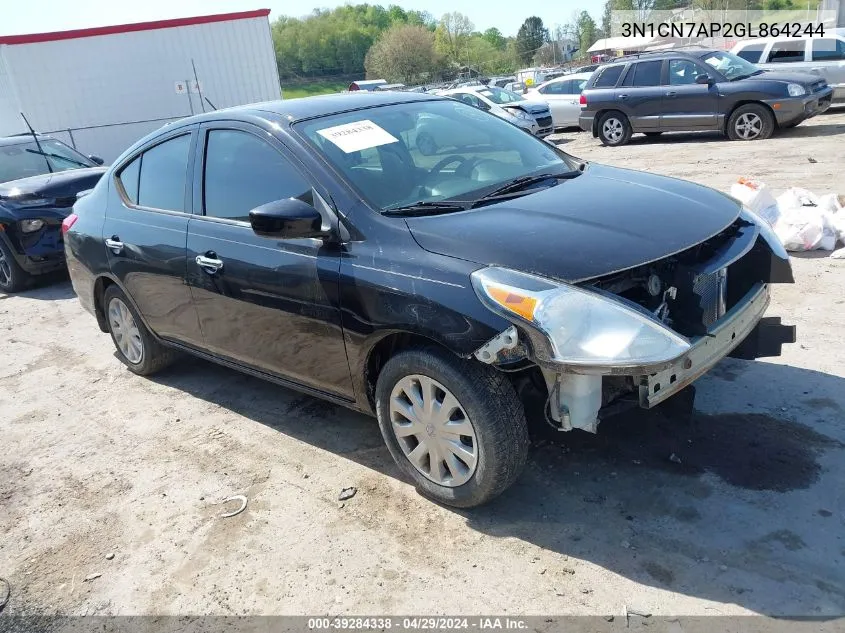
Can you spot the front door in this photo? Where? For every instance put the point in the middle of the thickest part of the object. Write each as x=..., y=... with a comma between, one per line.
x=267, y=303
x=688, y=105
x=145, y=235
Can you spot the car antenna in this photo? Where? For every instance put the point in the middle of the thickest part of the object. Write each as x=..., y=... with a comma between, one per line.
x=37, y=142
x=208, y=101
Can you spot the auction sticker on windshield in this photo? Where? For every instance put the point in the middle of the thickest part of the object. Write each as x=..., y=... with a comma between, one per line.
x=353, y=137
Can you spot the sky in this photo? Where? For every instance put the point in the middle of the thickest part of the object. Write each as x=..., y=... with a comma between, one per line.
x=39, y=16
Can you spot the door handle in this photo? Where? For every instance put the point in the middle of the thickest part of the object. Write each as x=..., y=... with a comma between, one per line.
x=671, y=93
x=209, y=264
x=623, y=97
x=114, y=244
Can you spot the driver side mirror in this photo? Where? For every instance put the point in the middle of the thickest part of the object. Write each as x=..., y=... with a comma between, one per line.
x=95, y=159
x=704, y=79
x=287, y=219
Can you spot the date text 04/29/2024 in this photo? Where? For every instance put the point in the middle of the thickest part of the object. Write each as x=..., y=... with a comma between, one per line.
x=739, y=30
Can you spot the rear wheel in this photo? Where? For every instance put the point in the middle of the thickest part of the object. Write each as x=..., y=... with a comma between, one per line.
x=13, y=278
x=614, y=129
x=750, y=122
x=136, y=347
x=456, y=428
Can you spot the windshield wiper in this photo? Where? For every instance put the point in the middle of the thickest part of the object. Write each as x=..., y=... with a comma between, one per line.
x=754, y=74
x=51, y=155
x=519, y=184
x=425, y=208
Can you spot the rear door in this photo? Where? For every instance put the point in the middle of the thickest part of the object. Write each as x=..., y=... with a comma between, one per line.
x=787, y=54
x=642, y=93
x=557, y=95
x=267, y=303
x=828, y=59
x=145, y=230
x=688, y=105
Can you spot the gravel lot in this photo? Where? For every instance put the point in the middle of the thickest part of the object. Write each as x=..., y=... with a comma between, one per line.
x=103, y=472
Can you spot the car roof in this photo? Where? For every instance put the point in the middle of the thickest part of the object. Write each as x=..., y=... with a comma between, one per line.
x=566, y=78
x=834, y=34
x=294, y=110
x=694, y=52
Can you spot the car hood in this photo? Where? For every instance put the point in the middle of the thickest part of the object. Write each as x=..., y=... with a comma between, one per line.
x=787, y=77
x=531, y=107
x=55, y=185
x=604, y=221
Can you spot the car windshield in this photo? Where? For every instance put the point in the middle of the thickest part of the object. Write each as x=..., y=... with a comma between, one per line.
x=499, y=95
x=730, y=65
x=24, y=159
x=430, y=151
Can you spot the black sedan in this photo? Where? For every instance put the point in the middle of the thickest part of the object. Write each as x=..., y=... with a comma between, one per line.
x=39, y=181
x=311, y=242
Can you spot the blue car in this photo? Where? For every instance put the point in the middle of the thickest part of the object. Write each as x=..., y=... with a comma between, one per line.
x=40, y=178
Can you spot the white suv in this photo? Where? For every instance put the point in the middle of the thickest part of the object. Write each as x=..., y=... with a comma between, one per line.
x=824, y=56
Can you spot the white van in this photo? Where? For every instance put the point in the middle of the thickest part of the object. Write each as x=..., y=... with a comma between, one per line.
x=824, y=56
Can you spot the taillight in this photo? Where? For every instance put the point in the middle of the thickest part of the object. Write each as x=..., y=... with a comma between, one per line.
x=583, y=99
x=68, y=222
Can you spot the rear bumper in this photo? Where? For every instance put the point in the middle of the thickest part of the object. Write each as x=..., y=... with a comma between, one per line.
x=585, y=122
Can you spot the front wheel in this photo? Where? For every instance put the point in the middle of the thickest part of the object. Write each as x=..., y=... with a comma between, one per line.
x=751, y=122
x=614, y=129
x=455, y=428
x=13, y=278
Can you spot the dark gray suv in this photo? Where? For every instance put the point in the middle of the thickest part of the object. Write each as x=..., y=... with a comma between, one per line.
x=696, y=89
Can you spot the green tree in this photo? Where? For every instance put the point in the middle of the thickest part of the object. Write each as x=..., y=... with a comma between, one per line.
x=495, y=38
x=586, y=29
x=404, y=53
x=452, y=35
x=530, y=38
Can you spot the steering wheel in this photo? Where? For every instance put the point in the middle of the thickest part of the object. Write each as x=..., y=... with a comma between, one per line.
x=465, y=164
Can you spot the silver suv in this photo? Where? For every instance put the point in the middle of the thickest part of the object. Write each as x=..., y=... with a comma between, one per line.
x=823, y=56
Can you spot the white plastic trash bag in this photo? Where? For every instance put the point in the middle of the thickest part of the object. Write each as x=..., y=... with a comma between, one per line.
x=840, y=254
x=754, y=195
x=800, y=228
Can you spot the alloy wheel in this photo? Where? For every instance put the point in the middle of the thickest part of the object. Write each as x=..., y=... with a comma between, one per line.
x=748, y=126
x=433, y=430
x=5, y=270
x=613, y=130
x=126, y=334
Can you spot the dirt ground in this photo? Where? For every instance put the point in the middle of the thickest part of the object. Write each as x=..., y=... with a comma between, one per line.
x=111, y=485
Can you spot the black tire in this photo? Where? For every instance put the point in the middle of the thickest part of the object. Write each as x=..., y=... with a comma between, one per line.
x=153, y=356
x=492, y=407
x=751, y=122
x=651, y=134
x=13, y=278
x=614, y=129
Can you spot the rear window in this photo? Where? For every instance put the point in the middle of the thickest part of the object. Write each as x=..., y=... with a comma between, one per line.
x=787, y=51
x=608, y=76
x=751, y=53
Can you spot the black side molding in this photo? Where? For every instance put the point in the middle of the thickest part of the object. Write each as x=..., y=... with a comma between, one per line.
x=766, y=339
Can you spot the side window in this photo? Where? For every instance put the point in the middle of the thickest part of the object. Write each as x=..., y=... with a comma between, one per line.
x=647, y=74
x=787, y=51
x=579, y=86
x=751, y=52
x=129, y=179
x=243, y=172
x=164, y=174
x=555, y=88
x=608, y=76
x=683, y=72
x=828, y=49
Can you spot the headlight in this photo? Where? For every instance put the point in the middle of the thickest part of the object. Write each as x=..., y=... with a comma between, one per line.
x=31, y=226
x=519, y=114
x=582, y=327
x=796, y=90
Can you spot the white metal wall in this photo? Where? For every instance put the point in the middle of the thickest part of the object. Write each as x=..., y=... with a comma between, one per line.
x=129, y=79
